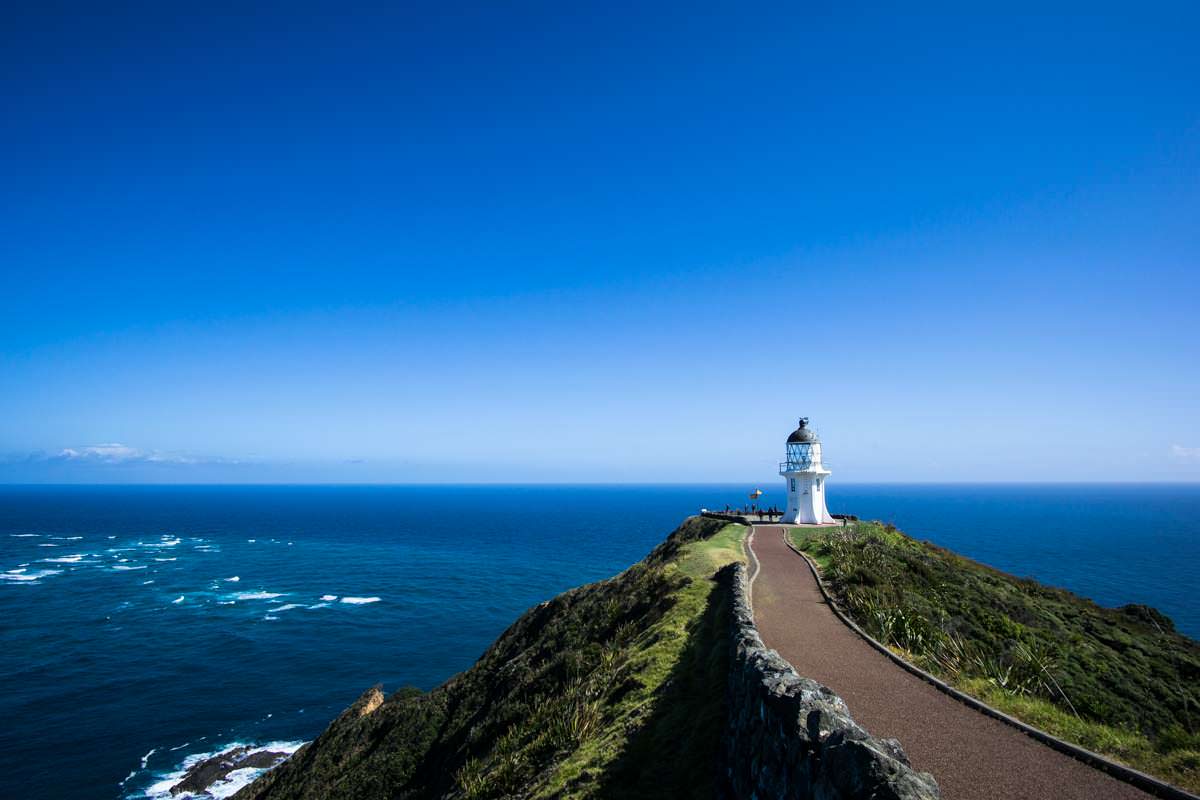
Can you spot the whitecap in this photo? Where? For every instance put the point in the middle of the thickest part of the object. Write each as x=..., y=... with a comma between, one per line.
x=22, y=575
x=47, y=544
x=112, y=537
x=75, y=559
x=23, y=535
x=258, y=595
x=251, y=541
x=234, y=579
x=319, y=605
x=67, y=538
x=147, y=583
x=177, y=600
x=358, y=601
x=222, y=789
x=226, y=602
x=287, y=607
x=146, y=757
x=268, y=616
x=329, y=597
x=164, y=559
x=124, y=567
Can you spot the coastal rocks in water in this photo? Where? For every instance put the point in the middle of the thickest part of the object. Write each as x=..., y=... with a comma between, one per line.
x=203, y=775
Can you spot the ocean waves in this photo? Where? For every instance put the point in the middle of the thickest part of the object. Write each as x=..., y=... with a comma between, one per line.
x=217, y=774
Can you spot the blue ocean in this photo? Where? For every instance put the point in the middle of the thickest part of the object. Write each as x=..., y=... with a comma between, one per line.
x=144, y=627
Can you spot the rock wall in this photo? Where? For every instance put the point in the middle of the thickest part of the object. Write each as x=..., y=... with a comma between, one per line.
x=790, y=737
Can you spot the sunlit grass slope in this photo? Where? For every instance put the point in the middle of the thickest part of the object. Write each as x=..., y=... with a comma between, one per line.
x=1121, y=682
x=615, y=689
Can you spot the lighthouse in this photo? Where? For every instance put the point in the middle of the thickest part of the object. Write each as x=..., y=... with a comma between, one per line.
x=805, y=476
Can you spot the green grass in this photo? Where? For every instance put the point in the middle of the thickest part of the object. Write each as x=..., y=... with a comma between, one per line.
x=615, y=689
x=647, y=727
x=1120, y=682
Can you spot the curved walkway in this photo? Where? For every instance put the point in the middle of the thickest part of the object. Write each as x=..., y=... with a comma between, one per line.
x=971, y=755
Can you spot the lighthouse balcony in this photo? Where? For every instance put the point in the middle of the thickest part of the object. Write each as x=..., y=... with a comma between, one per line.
x=800, y=465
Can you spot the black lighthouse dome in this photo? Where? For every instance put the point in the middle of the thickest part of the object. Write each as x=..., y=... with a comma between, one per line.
x=803, y=434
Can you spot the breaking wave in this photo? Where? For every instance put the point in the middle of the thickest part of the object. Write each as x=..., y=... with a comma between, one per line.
x=224, y=787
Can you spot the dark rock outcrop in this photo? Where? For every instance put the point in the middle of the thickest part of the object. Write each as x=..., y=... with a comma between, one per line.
x=204, y=774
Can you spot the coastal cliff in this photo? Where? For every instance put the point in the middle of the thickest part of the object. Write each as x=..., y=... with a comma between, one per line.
x=656, y=683
x=650, y=684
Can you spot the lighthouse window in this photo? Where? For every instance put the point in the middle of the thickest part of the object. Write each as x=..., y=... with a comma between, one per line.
x=793, y=484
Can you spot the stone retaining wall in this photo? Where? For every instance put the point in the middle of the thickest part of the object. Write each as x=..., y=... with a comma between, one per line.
x=790, y=737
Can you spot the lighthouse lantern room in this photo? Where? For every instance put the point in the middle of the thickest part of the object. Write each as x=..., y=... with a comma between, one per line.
x=805, y=476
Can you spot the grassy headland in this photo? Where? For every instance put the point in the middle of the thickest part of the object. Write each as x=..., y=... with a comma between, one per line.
x=615, y=689
x=1121, y=682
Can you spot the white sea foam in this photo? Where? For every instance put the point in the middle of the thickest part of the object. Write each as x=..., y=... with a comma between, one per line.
x=67, y=538
x=358, y=601
x=126, y=568
x=75, y=559
x=234, y=579
x=319, y=605
x=258, y=595
x=146, y=583
x=268, y=616
x=146, y=757
x=177, y=600
x=23, y=575
x=251, y=541
x=226, y=602
x=287, y=607
x=220, y=790
x=165, y=559
x=329, y=597
x=23, y=535
x=47, y=544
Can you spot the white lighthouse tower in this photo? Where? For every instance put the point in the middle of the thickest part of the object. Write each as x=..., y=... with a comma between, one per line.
x=805, y=476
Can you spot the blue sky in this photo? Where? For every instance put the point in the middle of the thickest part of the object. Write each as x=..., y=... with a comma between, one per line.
x=561, y=242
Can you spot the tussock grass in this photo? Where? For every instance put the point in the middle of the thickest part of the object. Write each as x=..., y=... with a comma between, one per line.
x=1120, y=682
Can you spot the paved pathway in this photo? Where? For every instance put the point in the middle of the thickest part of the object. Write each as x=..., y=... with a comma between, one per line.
x=970, y=754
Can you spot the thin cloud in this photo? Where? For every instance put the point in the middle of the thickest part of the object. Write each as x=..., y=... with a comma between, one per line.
x=117, y=453
x=1185, y=453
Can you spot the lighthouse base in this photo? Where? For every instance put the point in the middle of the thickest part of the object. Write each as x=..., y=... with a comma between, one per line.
x=806, y=498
